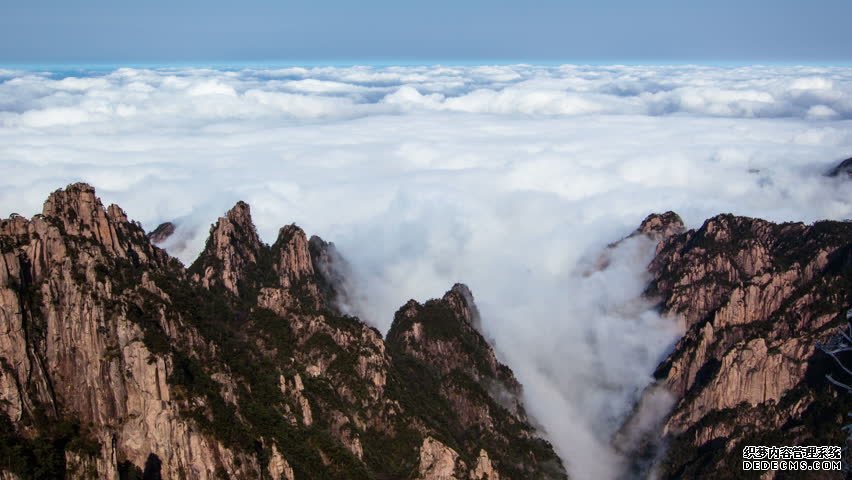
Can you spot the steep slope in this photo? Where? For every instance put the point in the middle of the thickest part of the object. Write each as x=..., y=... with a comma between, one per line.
x=843, y=169
x=756, y=298
x=85, y=362
x=119, y=363
x=464, y=391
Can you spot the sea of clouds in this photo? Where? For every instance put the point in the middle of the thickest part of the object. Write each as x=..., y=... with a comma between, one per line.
x=511, y=179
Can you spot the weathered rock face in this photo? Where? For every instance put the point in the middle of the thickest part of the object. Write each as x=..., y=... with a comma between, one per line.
x=438, y=343
x=231, y=253
x=661, y=226
x=483, y=470
x=82, y=362
x=333, y=271
x=656, y=227
x=117, y=362
x=756, y=298
x=278, y=466
x=161, y=233
x=438, y=461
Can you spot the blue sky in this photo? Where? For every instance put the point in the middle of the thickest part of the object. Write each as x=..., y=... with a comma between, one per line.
x=719, y=31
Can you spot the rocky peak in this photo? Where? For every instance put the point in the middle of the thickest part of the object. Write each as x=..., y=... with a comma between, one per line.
x=728, y=228
x=319, y=249
x=286, y=276
x=755, y=297
x=843, y=169
x=658, y=227
x=460, y=300
x=77, y=207
x=437, y=342
x=232, y=250
x=332, y=273
x=191, y=382
x=661, y=226
x=278, y=277
x=292, y=257
x=75, y=215
x=161, y=233
x=237, y=228
x=445, y=332
x=699, y=268
x=87, y=345
x=80, y=213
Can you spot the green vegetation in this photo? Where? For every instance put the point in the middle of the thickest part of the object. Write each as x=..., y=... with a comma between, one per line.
x=146, y=316
x=425, y=393
x=43, y=457
x=226, y=379
x=235, y=332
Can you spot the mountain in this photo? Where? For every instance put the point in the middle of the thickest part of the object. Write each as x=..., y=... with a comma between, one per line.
x=843, y=169
x=757, y=298
x=118, y=362
x=161, y=233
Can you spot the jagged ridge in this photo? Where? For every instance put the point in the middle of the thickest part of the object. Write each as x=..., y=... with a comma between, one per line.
x=116, y=359
x=757, y=298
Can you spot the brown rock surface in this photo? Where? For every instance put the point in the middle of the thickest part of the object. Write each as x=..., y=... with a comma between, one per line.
x=756, y=298
x=116, y=361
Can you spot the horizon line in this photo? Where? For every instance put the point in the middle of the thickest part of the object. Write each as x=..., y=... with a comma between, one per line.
x=366, y=62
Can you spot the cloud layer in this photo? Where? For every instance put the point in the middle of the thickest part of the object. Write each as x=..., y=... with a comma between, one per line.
x=173, y=97
x=508, y=178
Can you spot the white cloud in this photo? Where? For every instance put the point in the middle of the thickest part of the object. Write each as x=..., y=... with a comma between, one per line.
x=311, y=85
x=211, y=87
x=821, y=112
x=508, y=178
x=50, y=117
x=811, y=83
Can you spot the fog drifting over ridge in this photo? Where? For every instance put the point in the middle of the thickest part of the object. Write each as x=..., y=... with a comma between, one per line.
x=508, y=178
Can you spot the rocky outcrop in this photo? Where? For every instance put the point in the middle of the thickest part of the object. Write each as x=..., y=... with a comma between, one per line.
x=294, y=267
x=756, y=299
x=333, y=273
x=438, y=461
x=231, y=253
x=661, y=226
x=161, y=233
x=483, y=470
x=438, y=343
x=843, y=169
x=278, y=466
x=83, y=363
x=116, y=362
x=444, y=333
x=656, y=227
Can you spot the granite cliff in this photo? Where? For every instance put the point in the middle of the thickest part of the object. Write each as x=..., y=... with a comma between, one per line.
x=117, y=362
x=756, y=299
